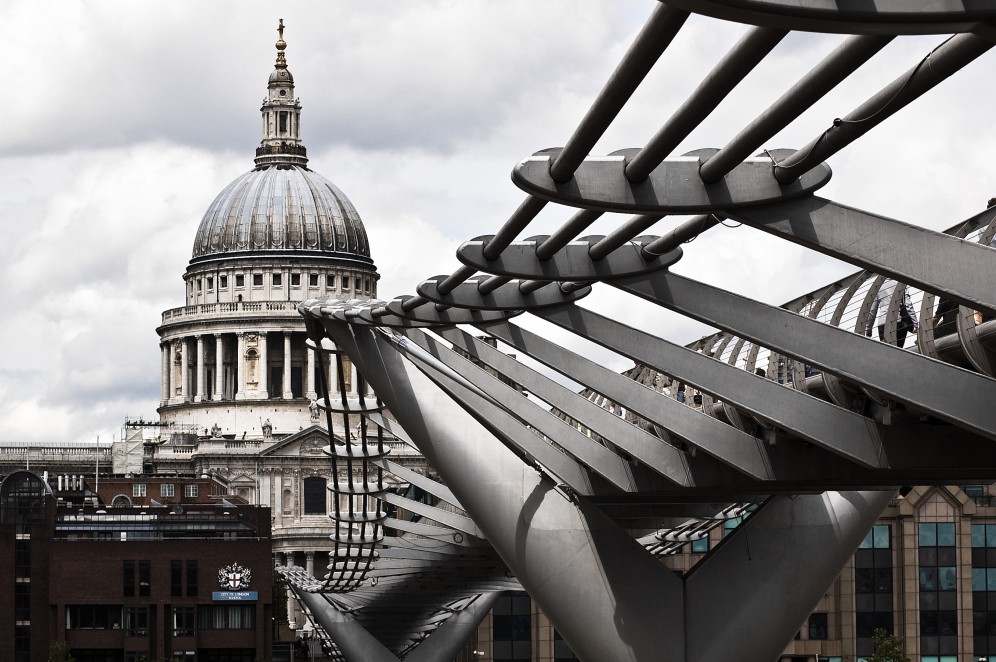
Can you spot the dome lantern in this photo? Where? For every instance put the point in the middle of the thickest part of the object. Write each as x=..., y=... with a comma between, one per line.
x=281, y=144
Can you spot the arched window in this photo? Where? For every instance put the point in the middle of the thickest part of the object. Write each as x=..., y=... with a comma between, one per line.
x=22, y=497
x=315, y=498
x=121, y=500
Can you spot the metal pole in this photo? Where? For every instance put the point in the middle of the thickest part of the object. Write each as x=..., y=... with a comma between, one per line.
x=656, y=35
x=943, y=61
x=740, y=61
x=824, y=77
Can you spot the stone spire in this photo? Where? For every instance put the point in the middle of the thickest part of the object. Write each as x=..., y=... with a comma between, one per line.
x=281, y=144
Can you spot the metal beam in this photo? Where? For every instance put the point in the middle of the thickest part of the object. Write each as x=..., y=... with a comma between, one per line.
x=712, y=436
x=531, y=525
x=837, y=430
x=954, y=394
x=940, y=263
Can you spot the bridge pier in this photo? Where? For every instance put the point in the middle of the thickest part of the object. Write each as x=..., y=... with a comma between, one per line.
x=608, y=596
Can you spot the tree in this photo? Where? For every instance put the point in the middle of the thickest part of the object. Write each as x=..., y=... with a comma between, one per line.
x=279, y=600
x=59, y=651
x=888, y=648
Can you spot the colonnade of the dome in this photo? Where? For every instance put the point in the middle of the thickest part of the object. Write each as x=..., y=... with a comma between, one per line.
x=227, y=366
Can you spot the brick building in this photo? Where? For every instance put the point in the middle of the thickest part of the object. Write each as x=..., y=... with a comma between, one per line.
x=183, y=582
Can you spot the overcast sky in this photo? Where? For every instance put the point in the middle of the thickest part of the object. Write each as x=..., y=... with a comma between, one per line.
x=123, y=120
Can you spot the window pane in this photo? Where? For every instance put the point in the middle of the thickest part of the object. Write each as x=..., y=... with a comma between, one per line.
x=978, y=535
x=928, y=579
x=928, y=534
x=818, y=626
x=947, y=579
x=978, y=579
x=945, y=534
x=990, y=535
x=881, y=533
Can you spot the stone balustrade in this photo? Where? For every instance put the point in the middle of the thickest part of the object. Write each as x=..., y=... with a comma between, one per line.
x=214, y=310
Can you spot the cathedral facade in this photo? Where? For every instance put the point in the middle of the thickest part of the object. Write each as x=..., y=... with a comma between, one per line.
x=240, y=386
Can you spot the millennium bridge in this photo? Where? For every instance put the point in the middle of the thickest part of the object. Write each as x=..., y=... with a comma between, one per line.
x=570, y=480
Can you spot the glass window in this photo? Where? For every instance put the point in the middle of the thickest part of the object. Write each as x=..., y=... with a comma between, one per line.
x=240, y=280
x=223, y=282
x=947, y=579
x=184, y=621
x=93, y=617
x=936, y=534
x=277, y=280
x=198, y=284
x=315, y=495
x=257, y=280
x=295, y=280
x=176, y=578
x=313, y=280
x=192, y=578
x=166, y=490
x=882, y=536
x=128, y=575
x=137, y=621
x=144, y=578
x=700, y=546
x=138, y=490
x=345, y=282
x=990, y=535
x=190, y=490
x=226, y=617
x=818, y=625
x=210, y=282
x=330, y=281
x=979, y=577
x=945, y=534
x=978, y=535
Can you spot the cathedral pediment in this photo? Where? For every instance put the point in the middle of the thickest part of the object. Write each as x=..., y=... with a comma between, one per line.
x=308, y=443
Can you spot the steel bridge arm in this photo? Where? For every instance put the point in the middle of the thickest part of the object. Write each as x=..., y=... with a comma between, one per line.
x=564, y=553
x=959, y=270
x=837, y=430
x=956, y=395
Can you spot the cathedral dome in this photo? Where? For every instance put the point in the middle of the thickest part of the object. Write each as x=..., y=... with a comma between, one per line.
x=281, y=210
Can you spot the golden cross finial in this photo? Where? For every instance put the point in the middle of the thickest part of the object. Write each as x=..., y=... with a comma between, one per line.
x=280, y=30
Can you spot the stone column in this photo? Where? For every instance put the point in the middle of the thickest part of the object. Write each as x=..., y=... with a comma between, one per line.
x=176, y=377
x=309, y=563
x=201, y=384
x=310, y=383
x=333, y=376
x=240, y=361
x=291, y=602
x=219, y=368
x=264, y=367
x=288, y=393
x=185, y=370
x=164, y=365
